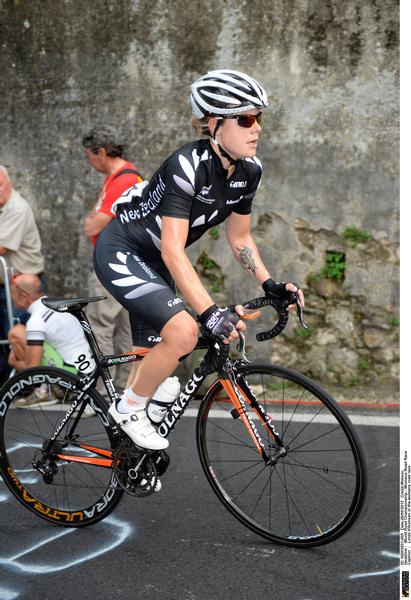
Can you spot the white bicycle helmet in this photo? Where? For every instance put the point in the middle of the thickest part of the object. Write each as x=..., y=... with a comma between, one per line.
x=226, y=92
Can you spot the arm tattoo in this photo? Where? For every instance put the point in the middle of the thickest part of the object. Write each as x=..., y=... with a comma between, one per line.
x=246, y=259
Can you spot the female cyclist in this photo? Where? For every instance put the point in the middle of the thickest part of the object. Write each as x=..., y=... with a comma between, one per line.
x=140, y=256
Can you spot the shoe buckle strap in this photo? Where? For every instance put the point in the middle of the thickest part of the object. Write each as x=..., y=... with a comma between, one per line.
x=130, y=418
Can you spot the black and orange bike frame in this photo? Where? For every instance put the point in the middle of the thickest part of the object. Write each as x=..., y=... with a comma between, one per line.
x=216, y=359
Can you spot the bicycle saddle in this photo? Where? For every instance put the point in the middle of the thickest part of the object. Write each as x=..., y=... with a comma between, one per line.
x=69, y=304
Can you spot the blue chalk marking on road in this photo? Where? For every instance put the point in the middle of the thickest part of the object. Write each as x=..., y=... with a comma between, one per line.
x=18, y=562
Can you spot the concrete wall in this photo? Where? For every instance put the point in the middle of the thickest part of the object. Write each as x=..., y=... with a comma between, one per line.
x=329, y=146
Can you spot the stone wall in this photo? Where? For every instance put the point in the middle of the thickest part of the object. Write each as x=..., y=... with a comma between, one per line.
x=329, y=146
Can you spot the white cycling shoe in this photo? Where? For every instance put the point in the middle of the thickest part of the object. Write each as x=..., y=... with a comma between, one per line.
x=138, y=427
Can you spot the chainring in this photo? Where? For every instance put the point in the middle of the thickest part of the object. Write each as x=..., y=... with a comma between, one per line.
x=134, y=469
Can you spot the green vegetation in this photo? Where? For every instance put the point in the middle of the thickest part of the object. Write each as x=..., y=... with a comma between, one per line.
x=363, y=364
x=335, y=265
x=394, y=321
x=313, y=278
x=205, y=261
x=214, y=233
x=356, y=235
x=210, y=269
x=302, y=333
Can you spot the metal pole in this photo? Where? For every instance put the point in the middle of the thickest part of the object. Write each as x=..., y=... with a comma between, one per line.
x=9, y=303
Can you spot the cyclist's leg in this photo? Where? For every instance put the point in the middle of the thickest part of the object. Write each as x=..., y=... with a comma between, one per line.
x=148, y=293
x=146, y=289
x=179, y=337
x=143, y=337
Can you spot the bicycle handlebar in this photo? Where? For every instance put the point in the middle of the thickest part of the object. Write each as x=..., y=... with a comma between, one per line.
x=280, y=306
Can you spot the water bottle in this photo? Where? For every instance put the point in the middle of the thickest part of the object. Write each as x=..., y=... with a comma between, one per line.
x=164, y=395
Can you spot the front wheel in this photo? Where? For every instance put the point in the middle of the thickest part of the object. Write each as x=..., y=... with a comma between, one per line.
x=309, y=494
x=60, y=471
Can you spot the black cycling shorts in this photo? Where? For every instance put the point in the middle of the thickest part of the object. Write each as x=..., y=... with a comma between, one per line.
x=143, y=286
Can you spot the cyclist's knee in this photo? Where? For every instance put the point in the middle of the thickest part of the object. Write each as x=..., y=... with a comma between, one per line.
x=181, y=332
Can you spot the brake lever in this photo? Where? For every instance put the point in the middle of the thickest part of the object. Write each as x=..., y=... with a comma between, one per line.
x=241, y=346
x=300, y=315
x=296, y=301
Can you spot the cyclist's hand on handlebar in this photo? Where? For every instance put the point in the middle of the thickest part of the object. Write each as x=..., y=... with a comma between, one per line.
x=222, y=323
x=284, y=292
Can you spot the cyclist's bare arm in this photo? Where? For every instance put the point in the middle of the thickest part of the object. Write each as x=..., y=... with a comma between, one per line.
x=173, y=237
x=243, y=246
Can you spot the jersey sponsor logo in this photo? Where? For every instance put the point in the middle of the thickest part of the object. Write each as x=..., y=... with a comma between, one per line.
x=153, y=338
x=233, y=201
x=238, y=184
x=174, y=302
x=204, y=192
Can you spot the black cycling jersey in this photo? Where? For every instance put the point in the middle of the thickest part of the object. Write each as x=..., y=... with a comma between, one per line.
x=191, y=184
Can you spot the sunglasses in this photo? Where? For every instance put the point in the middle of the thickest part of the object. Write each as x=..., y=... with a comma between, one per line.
x=246, y=120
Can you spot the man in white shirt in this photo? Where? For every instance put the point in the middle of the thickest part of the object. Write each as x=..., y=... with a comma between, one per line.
x=20, y=242
x=62, y=331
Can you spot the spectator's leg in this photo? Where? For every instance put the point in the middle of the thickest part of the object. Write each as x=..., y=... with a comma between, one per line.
x=17, y=341
x=122, y=344
x=103, y=316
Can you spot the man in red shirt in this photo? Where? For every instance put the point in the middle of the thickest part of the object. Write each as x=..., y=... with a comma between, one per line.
x=109, y=320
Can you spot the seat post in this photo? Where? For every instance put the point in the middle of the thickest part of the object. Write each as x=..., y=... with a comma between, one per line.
x=91, y=338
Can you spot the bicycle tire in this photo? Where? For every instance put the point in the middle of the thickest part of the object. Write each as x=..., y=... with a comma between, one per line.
x=78, y=494
x=312, y=495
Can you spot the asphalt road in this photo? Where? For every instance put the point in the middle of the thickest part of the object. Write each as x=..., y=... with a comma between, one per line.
x=182, y=544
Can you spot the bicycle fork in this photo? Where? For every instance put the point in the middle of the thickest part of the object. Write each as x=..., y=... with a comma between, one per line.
x=237, y=393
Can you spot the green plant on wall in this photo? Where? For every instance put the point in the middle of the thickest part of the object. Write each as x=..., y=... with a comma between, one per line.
x=302, y=333
x=363, y=364
x=214, y=233
x=334, y=265
x=356, y=235
x=394, y=321
x=208, y=268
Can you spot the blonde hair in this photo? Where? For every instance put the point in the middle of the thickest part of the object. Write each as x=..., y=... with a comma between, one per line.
x=200, y=126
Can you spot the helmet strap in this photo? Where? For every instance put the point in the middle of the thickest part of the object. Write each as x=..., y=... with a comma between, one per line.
x=223, y=153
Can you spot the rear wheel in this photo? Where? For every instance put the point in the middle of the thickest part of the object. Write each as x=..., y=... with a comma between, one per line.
x=80, y=489
x=314, y=492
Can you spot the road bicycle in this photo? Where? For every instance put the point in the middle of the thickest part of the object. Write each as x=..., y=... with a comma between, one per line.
x=277, y=450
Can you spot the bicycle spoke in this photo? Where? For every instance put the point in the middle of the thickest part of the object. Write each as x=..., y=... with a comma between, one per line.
x=74, y=492
x=308, y=492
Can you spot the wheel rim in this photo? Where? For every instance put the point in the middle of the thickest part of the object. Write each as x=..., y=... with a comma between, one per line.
x=313, y=493
x=70, y=493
